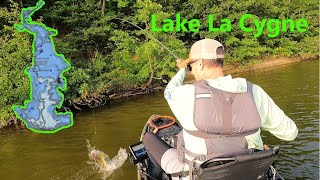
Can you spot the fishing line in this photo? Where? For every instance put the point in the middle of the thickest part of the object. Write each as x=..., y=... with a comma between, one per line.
x=94, y=122
x=98, y=158
x=152, y=37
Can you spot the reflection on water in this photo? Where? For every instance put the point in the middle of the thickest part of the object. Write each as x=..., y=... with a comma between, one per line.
x=64, y=155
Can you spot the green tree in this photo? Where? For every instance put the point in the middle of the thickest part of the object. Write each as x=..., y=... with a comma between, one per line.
x=15, y=56
x=109, y=55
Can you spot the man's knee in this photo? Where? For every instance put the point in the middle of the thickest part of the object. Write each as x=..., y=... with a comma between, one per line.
x=170, y=162
x=154, y=146
x=162, y=153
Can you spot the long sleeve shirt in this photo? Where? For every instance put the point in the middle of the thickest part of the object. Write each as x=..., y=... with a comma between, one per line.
x=181, y=101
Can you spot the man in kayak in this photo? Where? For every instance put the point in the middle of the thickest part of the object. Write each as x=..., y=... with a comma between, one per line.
x=220, y=115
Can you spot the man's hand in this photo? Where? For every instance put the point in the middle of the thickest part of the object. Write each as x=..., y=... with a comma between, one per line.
x=182, y=63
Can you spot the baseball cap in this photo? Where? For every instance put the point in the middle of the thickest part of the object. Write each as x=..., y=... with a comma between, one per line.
x=206, y=49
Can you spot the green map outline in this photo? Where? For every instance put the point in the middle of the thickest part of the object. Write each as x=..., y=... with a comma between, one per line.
x=33, y=62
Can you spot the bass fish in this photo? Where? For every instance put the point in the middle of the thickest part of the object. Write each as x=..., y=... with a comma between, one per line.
x=103, y=163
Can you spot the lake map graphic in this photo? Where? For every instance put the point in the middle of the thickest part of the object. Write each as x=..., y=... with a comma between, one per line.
x=46, y=78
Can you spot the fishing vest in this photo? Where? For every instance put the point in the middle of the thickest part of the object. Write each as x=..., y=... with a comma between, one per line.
x=223, y=119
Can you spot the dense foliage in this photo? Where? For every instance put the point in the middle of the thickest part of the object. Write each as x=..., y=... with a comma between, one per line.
x=109, y=55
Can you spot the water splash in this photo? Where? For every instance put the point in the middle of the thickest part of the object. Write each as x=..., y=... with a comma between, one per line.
x=101, y=161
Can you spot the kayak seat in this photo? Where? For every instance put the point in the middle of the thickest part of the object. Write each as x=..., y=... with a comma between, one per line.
x=247, y=166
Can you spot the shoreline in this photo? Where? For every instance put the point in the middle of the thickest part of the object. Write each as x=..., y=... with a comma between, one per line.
x=267, y=63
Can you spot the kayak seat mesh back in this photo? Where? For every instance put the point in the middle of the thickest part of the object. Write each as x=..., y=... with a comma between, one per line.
x=248, y=166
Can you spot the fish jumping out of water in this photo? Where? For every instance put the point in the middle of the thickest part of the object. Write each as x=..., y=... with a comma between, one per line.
x=103, y=163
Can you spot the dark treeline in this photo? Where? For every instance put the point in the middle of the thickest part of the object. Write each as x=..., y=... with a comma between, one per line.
x=110, y=56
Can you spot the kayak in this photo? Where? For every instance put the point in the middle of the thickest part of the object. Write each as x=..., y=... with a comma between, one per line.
x=255, y=165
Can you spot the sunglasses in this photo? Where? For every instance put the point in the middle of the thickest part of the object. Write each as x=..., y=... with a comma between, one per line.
x=189, y=68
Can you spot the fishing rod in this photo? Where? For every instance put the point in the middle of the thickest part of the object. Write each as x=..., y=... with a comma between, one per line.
x=175, y=56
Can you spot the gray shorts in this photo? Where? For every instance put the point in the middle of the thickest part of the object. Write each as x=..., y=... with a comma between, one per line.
x=161, y=154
